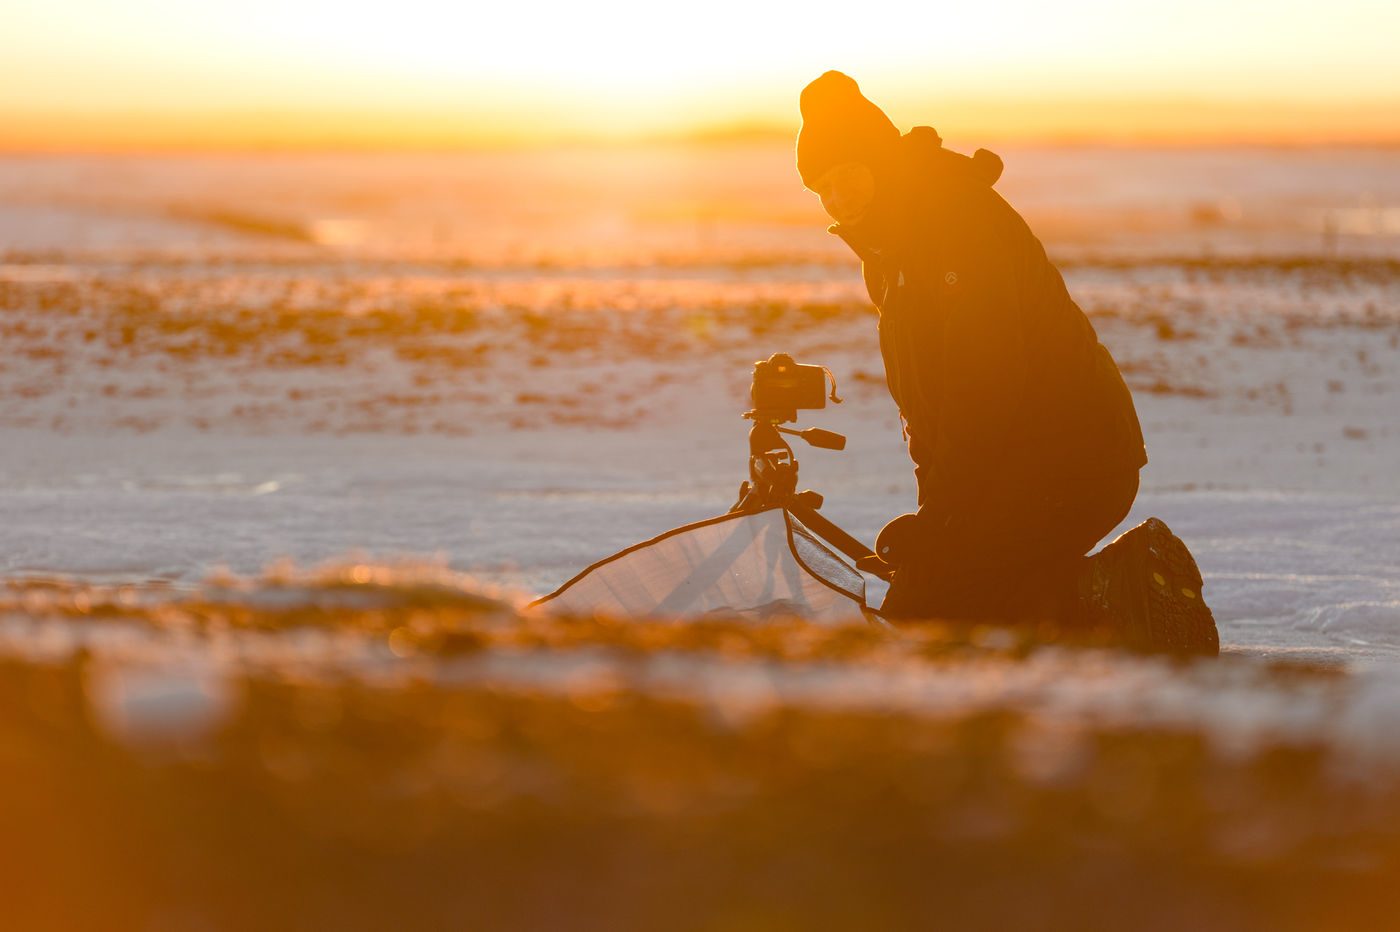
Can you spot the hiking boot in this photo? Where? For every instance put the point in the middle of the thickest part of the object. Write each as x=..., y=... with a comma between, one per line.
x=1148, y=586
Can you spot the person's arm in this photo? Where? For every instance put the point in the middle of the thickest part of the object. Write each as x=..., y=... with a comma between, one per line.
x=969, y=355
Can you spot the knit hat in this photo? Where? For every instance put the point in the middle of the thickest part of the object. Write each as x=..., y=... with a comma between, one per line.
x=840, y=125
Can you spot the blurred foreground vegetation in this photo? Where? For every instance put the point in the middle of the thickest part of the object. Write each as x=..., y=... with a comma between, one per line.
x=419, y=786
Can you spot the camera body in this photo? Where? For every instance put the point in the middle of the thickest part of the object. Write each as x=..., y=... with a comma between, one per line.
x=782, y=385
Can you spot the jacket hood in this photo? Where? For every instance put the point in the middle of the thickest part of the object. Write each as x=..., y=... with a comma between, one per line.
x=923, y=148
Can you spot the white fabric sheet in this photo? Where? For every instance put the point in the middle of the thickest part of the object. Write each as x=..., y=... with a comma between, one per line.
x=759, y=566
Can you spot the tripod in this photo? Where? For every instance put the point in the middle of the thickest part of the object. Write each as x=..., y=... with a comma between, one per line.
x=772, y=483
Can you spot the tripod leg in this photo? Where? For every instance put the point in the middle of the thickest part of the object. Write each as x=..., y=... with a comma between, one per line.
x=743, y=494
x=866, y=559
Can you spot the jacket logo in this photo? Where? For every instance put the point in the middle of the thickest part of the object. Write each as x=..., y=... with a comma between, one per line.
x=951, y=278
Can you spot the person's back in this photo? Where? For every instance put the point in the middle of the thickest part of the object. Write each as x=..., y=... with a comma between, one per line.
x=998, y=372
x=1024, y=436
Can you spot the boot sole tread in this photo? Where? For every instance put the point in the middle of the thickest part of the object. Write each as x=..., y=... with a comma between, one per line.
x=1179, y=619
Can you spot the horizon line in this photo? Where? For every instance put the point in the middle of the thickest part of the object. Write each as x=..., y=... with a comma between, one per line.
x=699, y=140
x=1172, y=123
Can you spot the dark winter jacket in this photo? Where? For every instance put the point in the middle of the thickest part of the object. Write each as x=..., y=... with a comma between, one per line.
x=999, y=376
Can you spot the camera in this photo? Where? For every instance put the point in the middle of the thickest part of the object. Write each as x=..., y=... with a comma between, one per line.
x=780, y=384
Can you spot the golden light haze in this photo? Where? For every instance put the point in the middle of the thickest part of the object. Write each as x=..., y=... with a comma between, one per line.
x=92, y=74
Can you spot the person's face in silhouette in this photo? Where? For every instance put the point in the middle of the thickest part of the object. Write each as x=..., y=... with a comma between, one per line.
x=846, y=191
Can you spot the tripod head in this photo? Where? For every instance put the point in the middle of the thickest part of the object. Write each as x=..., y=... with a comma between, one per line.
x=814, y=436
x=772, y=466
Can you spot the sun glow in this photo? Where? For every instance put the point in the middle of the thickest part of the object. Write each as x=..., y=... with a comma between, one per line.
x=425, y=72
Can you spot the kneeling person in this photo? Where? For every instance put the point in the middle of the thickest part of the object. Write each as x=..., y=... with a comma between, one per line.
x=1024, y=437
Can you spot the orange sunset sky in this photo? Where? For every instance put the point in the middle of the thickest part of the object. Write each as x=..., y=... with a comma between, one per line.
x=90, y=74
